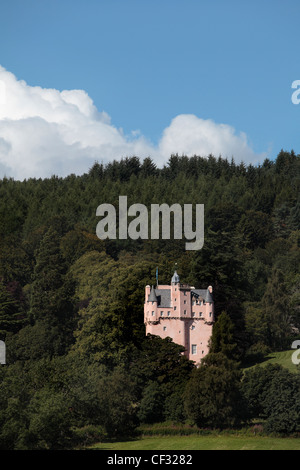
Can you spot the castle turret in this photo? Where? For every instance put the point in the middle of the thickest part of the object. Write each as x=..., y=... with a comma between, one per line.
x=152, y=296
x=208, y=297
x=175, y=294
x=175, y=279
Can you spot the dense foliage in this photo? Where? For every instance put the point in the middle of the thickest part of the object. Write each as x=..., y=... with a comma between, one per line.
x=71, y=305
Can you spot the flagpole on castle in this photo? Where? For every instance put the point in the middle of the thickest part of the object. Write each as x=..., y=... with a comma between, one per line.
x=156, y=276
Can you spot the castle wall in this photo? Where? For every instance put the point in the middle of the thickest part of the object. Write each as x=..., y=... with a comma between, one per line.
x=187, y=320
x=193, y=334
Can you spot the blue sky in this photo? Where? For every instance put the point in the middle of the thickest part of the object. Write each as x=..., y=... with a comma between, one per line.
x=144, y=63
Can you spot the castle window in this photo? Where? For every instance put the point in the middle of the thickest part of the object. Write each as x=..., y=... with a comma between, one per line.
x=162, y=314
x=184, y=312
x=210, y=314
x=169, y=313
x=184, y=292
x=200, y=314
x=193, y=327
x=193, y=302
x=194, y=348
x=184, y=301
x=164, y=328
x=193, y=314
x=174, y=308
x=152, y=314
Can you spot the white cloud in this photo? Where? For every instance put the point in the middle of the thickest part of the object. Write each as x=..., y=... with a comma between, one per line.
x=190, y=135
x=46, y=131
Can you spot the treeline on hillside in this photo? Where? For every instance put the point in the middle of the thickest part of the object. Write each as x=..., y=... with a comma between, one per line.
x=71, y=305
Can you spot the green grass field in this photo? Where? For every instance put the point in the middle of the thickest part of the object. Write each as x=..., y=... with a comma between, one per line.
x=213, y=441
x=193, y=442
x=283, y=358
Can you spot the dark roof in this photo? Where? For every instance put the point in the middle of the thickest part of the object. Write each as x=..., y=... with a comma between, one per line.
x=161, y=296
x=152, y=296
x=164, y=297
x=204, y=294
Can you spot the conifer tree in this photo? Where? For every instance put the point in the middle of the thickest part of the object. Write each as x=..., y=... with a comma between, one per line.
x=276, y=308
x=222, y=339
x=11, y=319
x=213, y=396
x=52, y=293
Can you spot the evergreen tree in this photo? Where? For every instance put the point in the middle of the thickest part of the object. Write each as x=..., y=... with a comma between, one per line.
x=152, y=404
x=118, y=404
x=213, y=397
x=148, y=168
x=276, y=308
x=256, y=229
x=273, y=394
x=222, y=339
x=11, y=317
x=52, y=291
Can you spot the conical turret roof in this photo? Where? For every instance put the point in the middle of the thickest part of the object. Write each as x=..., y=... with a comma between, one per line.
x=152, y=296
x=175, y=278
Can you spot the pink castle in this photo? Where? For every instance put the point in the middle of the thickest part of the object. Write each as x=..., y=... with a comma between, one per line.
x=183, y=313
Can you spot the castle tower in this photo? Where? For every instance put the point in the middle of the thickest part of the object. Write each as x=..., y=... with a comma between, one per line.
x=181, y=312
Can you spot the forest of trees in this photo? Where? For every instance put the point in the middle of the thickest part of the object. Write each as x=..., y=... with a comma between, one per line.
x=78, y=363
